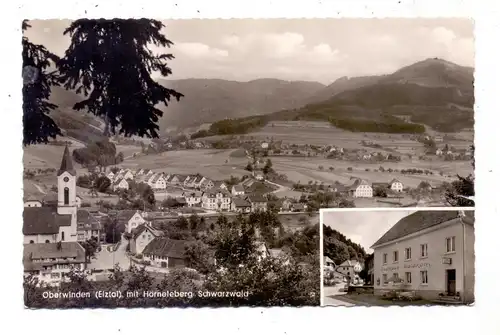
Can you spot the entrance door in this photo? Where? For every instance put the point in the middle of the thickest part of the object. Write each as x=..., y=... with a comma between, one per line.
x=451, y=282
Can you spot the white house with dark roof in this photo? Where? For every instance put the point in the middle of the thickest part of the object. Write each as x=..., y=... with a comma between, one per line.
x=88, y=225
x=361, y=189
x=51, y=262
x=158, y=182
x=131, y=219
x=430, y=253
x=219, y=200
x=238, y=190
x=240, y=205
x=142, y=236
x=120, y=184
x=193, y=198
x=165, y=253
x=396, y=185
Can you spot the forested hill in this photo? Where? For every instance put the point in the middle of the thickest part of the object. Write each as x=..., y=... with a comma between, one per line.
x=339, y=248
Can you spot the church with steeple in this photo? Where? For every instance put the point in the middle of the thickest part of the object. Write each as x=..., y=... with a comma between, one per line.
x=51, y=248
x=52, y=224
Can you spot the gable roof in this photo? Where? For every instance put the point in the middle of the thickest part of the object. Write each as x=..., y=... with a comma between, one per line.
x=85, y=218
x=118, y=181
x=66, y=163
x=138, y=231
x=43, y=221
x=238, y=188
x=47, y=251
x=126, y=214
x=256, y=198
x=416, y=222
x=358, y=182
x=394, y=180
x=240, y=202
x=165, y=247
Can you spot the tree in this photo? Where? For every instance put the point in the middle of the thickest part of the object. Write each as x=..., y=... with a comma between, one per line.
x=197, y=256
x=102, y=184
x=459, y=193
x=110, y=63
x=268, y=167
x=91, y=245
x=38, y=126
x=380, y=192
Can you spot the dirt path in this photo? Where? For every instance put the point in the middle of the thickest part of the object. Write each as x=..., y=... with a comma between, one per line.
x=39, y=188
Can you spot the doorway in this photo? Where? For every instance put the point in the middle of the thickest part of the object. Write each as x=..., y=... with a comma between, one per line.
x=451, y=282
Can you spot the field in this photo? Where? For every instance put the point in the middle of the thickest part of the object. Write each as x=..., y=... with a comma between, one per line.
x=215, y=164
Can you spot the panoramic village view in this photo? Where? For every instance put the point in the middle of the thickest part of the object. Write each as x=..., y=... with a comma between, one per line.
x=147, y=185
x=399, y=258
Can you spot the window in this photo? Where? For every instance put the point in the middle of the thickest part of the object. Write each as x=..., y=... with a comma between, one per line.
x=66, y=196
x=384, y=258
x=384, y=279
x=423, y=277
x=408, y=277
x=62, y=236
x=407, y=253
x=31, y=241
x=395, y=256
x=47, y=241
x=450, y=244
x=423, y=250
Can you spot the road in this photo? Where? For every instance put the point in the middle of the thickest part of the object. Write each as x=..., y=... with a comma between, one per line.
x=281, y=188
x=329, y=293
x=106, y=259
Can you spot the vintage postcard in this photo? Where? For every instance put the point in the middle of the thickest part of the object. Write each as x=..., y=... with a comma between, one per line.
x=398, y=257
x=184, y=162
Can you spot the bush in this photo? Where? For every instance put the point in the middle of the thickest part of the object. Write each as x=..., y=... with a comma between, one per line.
x=349, y=168
x=85, y=204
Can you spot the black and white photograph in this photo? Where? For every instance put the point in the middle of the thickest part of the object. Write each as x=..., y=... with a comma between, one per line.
x=402, y=257
x=183, y=163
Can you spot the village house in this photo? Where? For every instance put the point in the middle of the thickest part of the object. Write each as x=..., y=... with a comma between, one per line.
x=50, y=263
x=207, y=184
x=165, y=253
x=328, y=263
x=431, y=253
x=220, y=185
x=237, y=190
x=88, y=226
x=120, y=184
x=219, y=200
x=142, y=236
x=193, y=198
x=127, y=175
x=361, y=189
x=286, y=204
x=299, y=207
x=396, y=185
x=339, y=188
x=258, y=202
x=240, y=205
x=189, y=181
x=158, y=182
x=111, y=176
x=130, y=218
x=349, y=269
x=197, y=182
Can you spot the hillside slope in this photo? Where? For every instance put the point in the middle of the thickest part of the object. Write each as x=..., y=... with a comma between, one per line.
x=210, y=100
x=435, y=93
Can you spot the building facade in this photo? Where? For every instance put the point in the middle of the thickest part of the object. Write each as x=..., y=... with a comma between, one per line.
x=430, y=253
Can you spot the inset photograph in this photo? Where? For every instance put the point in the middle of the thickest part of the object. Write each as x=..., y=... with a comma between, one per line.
x=400, y=257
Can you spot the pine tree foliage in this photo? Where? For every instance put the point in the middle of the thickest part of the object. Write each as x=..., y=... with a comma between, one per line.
x=38, y=126
x=111, y=62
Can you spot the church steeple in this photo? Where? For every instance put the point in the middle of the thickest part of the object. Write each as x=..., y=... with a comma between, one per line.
x=66, y=163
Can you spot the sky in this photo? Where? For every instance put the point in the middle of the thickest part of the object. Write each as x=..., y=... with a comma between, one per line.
x=296, y=49
x=364, y=227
